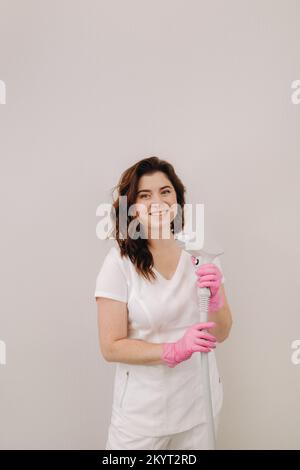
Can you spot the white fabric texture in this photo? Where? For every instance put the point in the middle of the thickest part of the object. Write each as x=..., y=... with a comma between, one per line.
x=195, y=438
x=155, y=400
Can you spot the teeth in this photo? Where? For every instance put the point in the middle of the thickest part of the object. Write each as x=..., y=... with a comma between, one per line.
x=161, y=212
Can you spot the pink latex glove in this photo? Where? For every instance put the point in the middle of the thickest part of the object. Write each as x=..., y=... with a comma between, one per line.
x=193, y=340
x=209, y=275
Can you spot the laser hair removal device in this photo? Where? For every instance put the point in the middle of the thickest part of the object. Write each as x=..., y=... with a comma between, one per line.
x=203, y=256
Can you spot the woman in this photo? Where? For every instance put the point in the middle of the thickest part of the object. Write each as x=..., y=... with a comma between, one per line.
x=148, y=318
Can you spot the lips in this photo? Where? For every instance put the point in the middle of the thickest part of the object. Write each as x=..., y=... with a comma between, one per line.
x=158, y=213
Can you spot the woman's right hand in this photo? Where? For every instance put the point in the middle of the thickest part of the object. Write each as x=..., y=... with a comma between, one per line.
x=193, y=340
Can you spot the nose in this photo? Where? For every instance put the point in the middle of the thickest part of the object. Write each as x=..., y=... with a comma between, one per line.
x=158, y=205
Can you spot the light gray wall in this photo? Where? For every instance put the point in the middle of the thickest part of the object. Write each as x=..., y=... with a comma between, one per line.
x=93, y=86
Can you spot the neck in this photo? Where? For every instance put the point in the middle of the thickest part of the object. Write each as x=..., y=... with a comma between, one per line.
x=162, y=244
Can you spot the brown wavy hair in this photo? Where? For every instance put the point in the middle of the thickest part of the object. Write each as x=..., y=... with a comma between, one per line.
x=137, y=249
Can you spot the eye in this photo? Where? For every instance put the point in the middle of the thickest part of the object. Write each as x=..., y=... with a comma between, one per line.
x=143, y=196
x=166, y=191
x=197, y=261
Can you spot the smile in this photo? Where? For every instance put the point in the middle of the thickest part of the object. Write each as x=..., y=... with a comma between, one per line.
x=159, y=213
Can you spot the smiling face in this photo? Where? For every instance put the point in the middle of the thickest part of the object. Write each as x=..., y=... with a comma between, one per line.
x=158, y=200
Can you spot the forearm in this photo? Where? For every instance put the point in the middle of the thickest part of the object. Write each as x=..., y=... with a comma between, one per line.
x=223, y=320
x=135, y=351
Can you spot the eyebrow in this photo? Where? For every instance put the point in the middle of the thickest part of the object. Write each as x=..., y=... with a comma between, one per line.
x=149, y=190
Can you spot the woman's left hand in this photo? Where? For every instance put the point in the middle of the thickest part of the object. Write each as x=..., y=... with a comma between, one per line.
x=209, y=275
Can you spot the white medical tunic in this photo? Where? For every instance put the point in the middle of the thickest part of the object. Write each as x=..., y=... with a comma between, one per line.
x=154, y=400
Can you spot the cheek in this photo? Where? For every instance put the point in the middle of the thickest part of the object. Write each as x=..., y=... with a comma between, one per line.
x=143, y=209
x=174, y=208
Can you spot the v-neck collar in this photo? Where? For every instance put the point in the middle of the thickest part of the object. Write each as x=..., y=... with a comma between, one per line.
x=177, y=270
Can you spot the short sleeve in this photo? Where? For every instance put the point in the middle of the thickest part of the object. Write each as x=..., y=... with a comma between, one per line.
x=111, y=279
x=218, y=263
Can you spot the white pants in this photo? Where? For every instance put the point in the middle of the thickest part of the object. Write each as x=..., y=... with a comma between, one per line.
x=194, y=438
